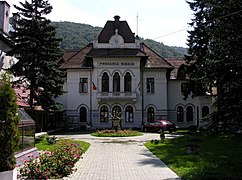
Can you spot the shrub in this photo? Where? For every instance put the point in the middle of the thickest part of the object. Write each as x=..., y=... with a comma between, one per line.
x=51, y=140
x=9, y=120
x=155, y=141
x=58, y=163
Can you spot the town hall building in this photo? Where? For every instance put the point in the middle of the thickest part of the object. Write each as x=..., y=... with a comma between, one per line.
x=118, y=72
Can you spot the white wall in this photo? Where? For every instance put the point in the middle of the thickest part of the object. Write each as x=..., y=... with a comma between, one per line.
x=165, y=100
x=120, y=65
x=158, y=99
x=175, y=99
x=6, y=62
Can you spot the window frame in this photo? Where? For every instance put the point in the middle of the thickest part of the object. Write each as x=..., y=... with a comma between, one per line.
x=129, y=114
x=127, y=82
x=180, y=114
x=105, y=82
x=83, y=85
x=150, y=85
x=189, y=113
x=104, y=114
x=150, y=114
x=116, y=82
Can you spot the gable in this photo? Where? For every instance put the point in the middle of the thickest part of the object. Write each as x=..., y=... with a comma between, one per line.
x=110, y=28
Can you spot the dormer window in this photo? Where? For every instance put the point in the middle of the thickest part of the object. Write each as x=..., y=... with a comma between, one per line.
x=116, y=40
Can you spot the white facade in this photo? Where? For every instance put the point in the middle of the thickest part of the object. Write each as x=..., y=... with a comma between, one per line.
x=175, y=100
x=127, y=75
x=5, y=44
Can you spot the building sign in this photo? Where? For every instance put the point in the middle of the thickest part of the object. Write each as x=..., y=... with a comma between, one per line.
x=116, y=64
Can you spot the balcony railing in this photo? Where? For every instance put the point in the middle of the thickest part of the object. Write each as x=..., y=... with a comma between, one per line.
x=116, y=96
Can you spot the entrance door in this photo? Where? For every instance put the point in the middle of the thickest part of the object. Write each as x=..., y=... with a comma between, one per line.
x=83, y=116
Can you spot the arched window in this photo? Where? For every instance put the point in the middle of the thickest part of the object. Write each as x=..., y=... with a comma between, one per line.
x=116, y=82
x=205, y=111
x=116, y=109
x=180, y=114
x=83, y=114
x=150, y=114
x=189, y=114
x=104, y=114
x=129, y=114
x=127, y=82
x=105, y=82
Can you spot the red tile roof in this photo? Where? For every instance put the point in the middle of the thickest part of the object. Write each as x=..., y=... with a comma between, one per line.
x=155, y=60
x=176, y=63
x=22, y=96
x=75, y=59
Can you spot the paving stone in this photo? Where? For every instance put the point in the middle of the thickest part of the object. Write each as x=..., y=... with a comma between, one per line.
x=120, y=159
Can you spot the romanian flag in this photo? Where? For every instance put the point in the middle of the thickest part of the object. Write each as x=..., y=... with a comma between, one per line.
x=94, y=87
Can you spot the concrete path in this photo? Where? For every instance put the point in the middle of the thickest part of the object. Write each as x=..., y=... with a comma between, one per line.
x=119, y=159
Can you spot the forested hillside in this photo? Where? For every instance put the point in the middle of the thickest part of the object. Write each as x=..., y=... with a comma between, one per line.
x=163, y=50
x=77, y=35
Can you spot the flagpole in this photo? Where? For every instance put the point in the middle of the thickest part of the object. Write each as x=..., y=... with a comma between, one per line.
x=91, y=99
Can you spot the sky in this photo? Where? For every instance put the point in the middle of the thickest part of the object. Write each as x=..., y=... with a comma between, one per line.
x=164, y=21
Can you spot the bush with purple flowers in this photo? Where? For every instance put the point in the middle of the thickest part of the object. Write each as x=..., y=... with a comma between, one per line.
x=57, y=163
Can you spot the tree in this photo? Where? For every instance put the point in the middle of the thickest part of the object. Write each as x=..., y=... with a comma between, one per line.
x=8, y=125
x=37, y=49
x=214, y=57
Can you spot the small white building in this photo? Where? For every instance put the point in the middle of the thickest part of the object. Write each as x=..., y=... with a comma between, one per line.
x=5, y=44
x=119, y=72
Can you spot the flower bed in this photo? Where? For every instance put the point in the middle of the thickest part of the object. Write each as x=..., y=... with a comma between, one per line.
x=57, y=163
x=119, y=133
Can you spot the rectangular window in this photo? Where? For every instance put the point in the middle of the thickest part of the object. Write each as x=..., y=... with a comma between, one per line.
x=150, y=85
x=129, y=117
x=83, y=85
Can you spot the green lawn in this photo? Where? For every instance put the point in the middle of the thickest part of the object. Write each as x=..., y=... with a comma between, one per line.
x=42, y=144
x=218, y=157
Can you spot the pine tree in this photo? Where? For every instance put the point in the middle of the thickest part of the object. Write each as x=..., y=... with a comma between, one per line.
x=37, y=49
x=214, y=58
x=8, y=125
x=198, y=52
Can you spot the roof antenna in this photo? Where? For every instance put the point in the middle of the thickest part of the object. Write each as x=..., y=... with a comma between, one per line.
x=137, y=26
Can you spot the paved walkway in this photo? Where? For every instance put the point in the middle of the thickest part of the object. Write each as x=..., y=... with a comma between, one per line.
x=119, y=159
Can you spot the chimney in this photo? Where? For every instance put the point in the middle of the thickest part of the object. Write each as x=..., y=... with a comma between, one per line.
x=4, y=17
x=116, y=22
